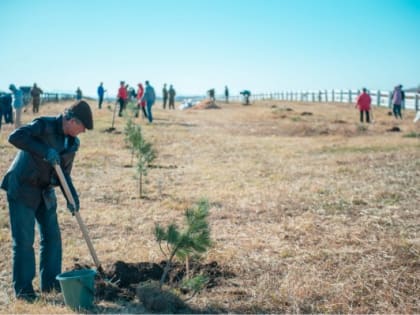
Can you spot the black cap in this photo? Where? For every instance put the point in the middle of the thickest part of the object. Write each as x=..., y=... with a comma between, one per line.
x=81, y=110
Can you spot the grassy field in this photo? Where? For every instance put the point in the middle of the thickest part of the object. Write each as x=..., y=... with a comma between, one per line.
x=310, y=211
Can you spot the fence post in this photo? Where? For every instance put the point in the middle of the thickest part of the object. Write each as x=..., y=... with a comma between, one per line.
x=350, y=96
x=332, y=96
x=326, y=96
x=416, y=104
x=378, y=98
x=390, y=99
x=341, y=96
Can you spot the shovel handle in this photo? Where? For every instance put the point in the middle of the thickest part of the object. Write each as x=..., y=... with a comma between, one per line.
x=70, y=198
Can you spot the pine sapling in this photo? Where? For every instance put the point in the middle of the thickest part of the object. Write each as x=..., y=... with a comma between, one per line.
x=194, y=239
x=140, y=148
x=145, y=155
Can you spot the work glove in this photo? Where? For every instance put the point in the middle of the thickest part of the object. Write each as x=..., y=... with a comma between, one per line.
x=52, y=156
x=73, y=208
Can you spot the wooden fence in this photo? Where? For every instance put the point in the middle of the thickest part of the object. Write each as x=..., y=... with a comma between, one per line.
x=379, y=98
x=56, y=97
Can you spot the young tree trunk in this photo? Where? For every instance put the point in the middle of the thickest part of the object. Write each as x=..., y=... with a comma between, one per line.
x=141, y=184
x=132, y=156
x=187, y=267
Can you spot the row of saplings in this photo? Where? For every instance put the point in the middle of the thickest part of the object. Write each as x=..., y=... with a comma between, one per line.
x=184, y=245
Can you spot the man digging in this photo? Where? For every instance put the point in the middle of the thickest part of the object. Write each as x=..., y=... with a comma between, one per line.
x=30, y=183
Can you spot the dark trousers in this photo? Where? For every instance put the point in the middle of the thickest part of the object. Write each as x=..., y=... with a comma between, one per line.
x=122, y=106
x=8, y=114
x=35, y=104
x=143, y=109
x=100, y=101
x=165, y=100
x=397, y=110
x=367, y=116
x=22, y=223
x=171, y=103
x=149, y=105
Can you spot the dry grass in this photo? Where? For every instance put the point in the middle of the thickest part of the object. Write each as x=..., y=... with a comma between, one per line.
x=312, y=211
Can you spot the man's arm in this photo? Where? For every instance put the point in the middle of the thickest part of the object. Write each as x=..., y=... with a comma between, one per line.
x=27, y=139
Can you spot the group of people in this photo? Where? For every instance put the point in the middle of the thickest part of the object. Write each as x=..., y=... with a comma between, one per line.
x=168, y=95
x=145, y=99
x=364, y=103
x=11, y=107
x=212, y=94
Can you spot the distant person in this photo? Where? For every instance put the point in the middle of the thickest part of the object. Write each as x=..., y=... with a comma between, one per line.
x=132, y=94
x=6, y=108
x=79, y=94
x=246, y=94
x=171, y=94
x=36, y=98
x=101, y=92
x=141, y=103
x=30, y=183
x=396, y=101
x=212, y=95
x=164, y=96
x=364, y=104
x=226, y=94
x=402, y=97
x=17, y=104
x=149, y=97
x=122, y=97
x=1, y=110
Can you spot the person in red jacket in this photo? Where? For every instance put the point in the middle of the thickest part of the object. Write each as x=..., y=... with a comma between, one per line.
x=140, y=101
x=122, y=97
x=363, y=103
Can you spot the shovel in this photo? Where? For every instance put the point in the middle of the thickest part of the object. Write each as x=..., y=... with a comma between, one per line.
x=85, y=233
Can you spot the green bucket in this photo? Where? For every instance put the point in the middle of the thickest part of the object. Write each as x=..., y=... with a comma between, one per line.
x=78, y=288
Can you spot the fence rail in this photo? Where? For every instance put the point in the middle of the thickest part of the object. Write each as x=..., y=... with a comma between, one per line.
x=379, y=98
x=56, y=97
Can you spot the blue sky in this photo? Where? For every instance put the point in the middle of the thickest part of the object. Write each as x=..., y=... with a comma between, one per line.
x=260, y=45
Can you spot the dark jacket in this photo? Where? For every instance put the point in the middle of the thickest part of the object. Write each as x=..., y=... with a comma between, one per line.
x=36, y=92
x=30, y=178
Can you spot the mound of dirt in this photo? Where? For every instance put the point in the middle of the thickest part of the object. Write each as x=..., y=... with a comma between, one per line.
x=206, y=104
x=394, y=129
x=159, y=301
x=133, y=273
x=306, y=114
x=112, y=130
x=121, y=280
